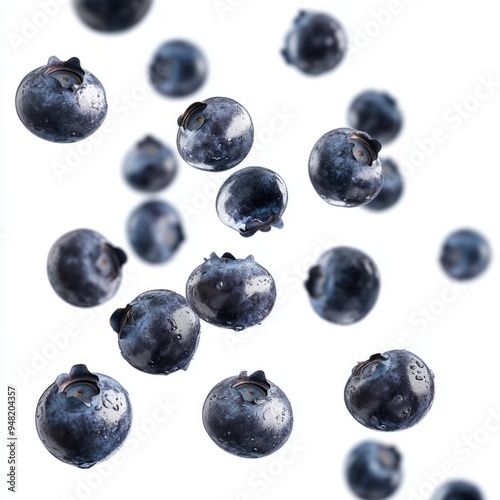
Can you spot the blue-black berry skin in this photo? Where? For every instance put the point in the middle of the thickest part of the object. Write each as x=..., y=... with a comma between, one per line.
x=231, y=293
x=61, y=102
x=150, y=166
x=252, y=199
x=83, y=418
x=178, y=68
x=457, y=489
x=215, y=135
x=392, y=188
x=344, y=167
x=377, y=114
x=248, y=416
x=465, y=254
x=343, y=285
x=158, y=332
x=84, y=269
x=391, y=391
x=155, y=231
x=316, y=44
x=111, y=16
x=373, y=470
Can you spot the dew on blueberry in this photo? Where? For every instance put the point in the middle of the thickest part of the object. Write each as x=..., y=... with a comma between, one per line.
x=248, y=415
x=83, y=417
x=61, y=102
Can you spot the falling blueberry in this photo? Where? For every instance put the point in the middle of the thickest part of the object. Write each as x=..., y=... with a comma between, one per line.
x=465, y=254
x=376, y=113
x=150, y=165
x=231, y=293
x=111, y=16
x=392, y=188
x=248, y=416
x=215, y=134
x=61, y=102
x=343, y=285
x=252, y=199
x=158, y=332
x=83, y=418
x=155, y=231
x=344, y=167
x=178, y=68
x=457, y=489
x=316, y=44
x=373, y=470
x=390, y=391
x=84, y=269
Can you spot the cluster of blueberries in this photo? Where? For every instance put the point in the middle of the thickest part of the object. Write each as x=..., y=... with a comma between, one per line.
x=83, y=417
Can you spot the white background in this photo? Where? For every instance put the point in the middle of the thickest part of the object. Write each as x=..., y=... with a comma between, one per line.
x=434, y=58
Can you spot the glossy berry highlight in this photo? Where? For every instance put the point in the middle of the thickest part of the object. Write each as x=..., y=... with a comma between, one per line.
x=252, y=199
x=83, y=417
x=390, y=391
x=158, y=332
x=84, y=269
x=61, y=102
x=248, y=415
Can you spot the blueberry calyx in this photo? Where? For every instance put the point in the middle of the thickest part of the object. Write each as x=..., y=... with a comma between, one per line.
x=315, y=283
x=253, y=388
x=80, y=384
x=364, y=143
x=193, y=117
x=111, y=260
x=68, y=73
x=251, y=227
x=121, y=318
x=365, y=368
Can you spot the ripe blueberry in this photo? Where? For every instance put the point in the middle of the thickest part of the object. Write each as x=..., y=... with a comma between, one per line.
x=344, y=167
x=61, y=102
x=390, y=391
x=84, y=269
x=316, y=44
x=344, y=285
x=457, y=489
x=111, y=15
x=392, y=188
x=158, y=332
x=252, y=199
x=155, y=231
x=231, y=293
x=83, y=418
x=465, y=254
x=150, y=165
x=178, y=68
x=215, y=134
x=377, y=114
x=248, y=416
x=373, y=470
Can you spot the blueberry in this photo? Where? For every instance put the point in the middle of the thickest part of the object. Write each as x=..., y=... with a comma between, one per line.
x=465, y=254
x=248, y=416
x=390, y=391
x=377, y=114
x=84, y=269
x=231, y=293
x=373, y=470
x=392, y=188
x=252, y=199
x=158, y=332
x=215, y=134
x=111, y=16
x=344, y=167
x=155, y=231
x=316, y=44
x=178, y=68
x=150, y=165
x=61, y=102
x=343, y=285
x=83, y=418
x=457, y=489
